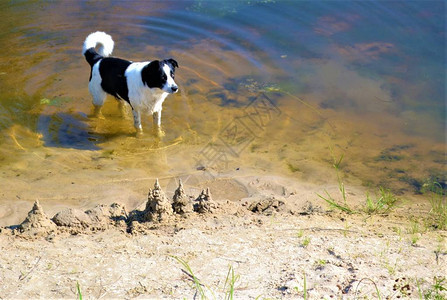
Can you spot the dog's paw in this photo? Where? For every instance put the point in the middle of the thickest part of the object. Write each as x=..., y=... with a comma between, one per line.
x=139, y=133
x=99, y=116
x=97, y=113
x=158, y=132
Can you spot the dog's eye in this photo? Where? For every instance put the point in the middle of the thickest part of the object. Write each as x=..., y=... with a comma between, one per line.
x=172, y=75
x=164, y=77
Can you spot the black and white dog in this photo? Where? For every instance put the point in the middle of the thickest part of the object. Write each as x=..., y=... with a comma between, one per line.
x=144, y=85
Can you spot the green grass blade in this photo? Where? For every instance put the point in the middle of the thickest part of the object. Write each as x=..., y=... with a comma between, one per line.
x=334, y=204
x=78, y=288
x=196, y=281
x=230, y=281
x=375, y=286
x=304, y=286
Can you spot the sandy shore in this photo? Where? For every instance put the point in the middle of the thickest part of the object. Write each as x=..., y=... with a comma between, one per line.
x=280, y=240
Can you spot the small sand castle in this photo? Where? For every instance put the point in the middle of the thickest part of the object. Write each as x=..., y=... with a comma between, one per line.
x=37, y=222
x=181, y=204
x=158, y=207
x=205, y=203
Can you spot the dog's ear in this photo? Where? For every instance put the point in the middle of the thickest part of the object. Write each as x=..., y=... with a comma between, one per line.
x=173, y=62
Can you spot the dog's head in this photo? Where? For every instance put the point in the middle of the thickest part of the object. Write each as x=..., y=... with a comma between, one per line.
x=160, y=74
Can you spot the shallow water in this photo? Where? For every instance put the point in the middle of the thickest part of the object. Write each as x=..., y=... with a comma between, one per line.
x=266, y=87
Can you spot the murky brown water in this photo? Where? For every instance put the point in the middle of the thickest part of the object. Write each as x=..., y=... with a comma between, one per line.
x=272, y=95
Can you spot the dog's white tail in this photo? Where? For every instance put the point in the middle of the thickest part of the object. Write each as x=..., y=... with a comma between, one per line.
x=100, y=38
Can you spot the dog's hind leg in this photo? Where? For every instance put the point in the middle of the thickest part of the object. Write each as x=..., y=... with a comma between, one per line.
x=99, y=97
x=123, y=109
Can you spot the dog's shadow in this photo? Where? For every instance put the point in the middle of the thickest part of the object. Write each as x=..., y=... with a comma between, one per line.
x=66, y=130
x=78, y=131
x=75, y=131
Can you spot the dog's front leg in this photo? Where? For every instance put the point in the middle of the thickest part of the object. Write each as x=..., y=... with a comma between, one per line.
x=157, y=119
x=137, y=122
x=156, y=115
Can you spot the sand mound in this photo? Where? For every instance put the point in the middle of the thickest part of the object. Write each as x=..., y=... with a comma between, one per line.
x=72, y=217
x=100, y=217
x=104, y=216
x=267, y=206
x=37, y=223
x=74, y=221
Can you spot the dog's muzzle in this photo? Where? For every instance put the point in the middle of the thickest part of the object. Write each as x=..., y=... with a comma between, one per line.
x=174, y=89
